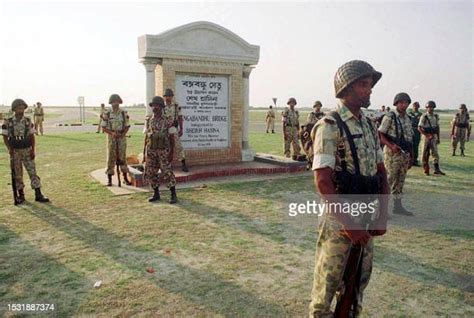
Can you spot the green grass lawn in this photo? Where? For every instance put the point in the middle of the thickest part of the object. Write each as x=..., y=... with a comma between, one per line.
x=224, y=250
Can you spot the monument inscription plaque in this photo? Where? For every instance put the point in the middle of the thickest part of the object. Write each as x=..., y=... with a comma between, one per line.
x=204, y=101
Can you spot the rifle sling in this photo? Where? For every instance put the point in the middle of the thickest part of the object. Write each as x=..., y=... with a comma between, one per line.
x=343, y=127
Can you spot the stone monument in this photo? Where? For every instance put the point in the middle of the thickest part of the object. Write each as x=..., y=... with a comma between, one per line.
x=208, y=68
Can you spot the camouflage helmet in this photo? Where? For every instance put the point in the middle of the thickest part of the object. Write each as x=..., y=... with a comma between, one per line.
x=430, y=104
x=350, y=72
x=291, y=100
x=168, y=92
x=463, y=106
x=400, y=97
x=18, y=102
x=115, y=98
x=317, y=104
x=157, y=100
x=416, y=104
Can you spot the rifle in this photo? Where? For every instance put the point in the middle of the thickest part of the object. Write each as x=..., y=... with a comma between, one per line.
x=16, y=199
x=117, y=161
x=347, y=300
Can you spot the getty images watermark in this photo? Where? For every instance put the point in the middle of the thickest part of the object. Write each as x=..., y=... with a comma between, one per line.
x=319, y=208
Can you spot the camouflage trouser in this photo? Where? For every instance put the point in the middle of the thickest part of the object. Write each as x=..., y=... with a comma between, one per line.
x=332, y=252
x=430, y=145
x=158, y=167
x=21, y=157
x=271, y=124
x=416, y=143
x=39, y=124
x=111, y=155
x=179, y=151
x=291, y=137
x=397, y=167
x=459, y=137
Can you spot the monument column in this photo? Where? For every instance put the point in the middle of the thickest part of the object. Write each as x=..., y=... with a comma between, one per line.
x=247, y=153
x=150, y=66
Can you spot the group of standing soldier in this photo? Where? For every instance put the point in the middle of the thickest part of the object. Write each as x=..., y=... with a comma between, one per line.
x=291, y=126
x=163, y=130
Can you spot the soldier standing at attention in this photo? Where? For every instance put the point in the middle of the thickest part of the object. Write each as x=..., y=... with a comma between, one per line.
x=291, y=124
x=415, y=115
x=316, y=114
x=270, y=119
x=115, y=124
x=429, y=128
x=396, y=133
x=159, y=148
x=19, y=136
x=173, y=111
x=460, y=129
x=101, y=116
x=39, y=118
x=346, y=151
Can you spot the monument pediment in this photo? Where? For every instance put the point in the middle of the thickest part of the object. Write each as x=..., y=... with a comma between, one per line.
x=200, y=41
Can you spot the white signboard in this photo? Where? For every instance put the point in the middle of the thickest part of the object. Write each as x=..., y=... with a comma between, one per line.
x=204, y=101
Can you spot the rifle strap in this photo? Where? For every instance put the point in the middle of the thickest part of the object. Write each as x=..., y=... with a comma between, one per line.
x=343, y=127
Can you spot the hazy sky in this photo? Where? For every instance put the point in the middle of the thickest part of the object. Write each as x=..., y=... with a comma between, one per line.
x=55, y=51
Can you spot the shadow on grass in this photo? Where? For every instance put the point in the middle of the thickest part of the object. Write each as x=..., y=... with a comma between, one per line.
x=29, y=276
x=305, y=238
x=200, y=287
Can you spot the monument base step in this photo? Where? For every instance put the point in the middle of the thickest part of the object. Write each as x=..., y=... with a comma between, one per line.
x=279, y=160
x=210, y=174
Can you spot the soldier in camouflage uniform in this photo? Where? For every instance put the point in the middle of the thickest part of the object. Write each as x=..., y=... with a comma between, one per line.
x=115, y=123
x=429, y=128
x=173, y=111
x=19, y=136
x=159, y=145
x=461, y=128
x=338, y=232
x=291, y=124
x=316, y=114
x=396, y=133
x=270, y=119
x=415, y=115
x=39, y=118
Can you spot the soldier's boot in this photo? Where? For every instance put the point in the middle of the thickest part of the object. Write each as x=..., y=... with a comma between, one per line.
x=273, y=131
x=21, y=196
x=125, y=179
x=156, y=195
x=426, y=167
x=294, y=157
x=438, y=170
x=399, y=209
x=267, y=131
x=39, y=197
x=454, y=152
x=109, y=180
x=183, y=166
x=415, y=163
x=174, y=198
x=462, y=153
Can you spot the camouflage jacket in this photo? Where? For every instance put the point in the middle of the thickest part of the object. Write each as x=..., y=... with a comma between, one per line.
x=313, y=117
x=290, y=118
x=403, y=126
x=115, y=121
x=327, y=138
